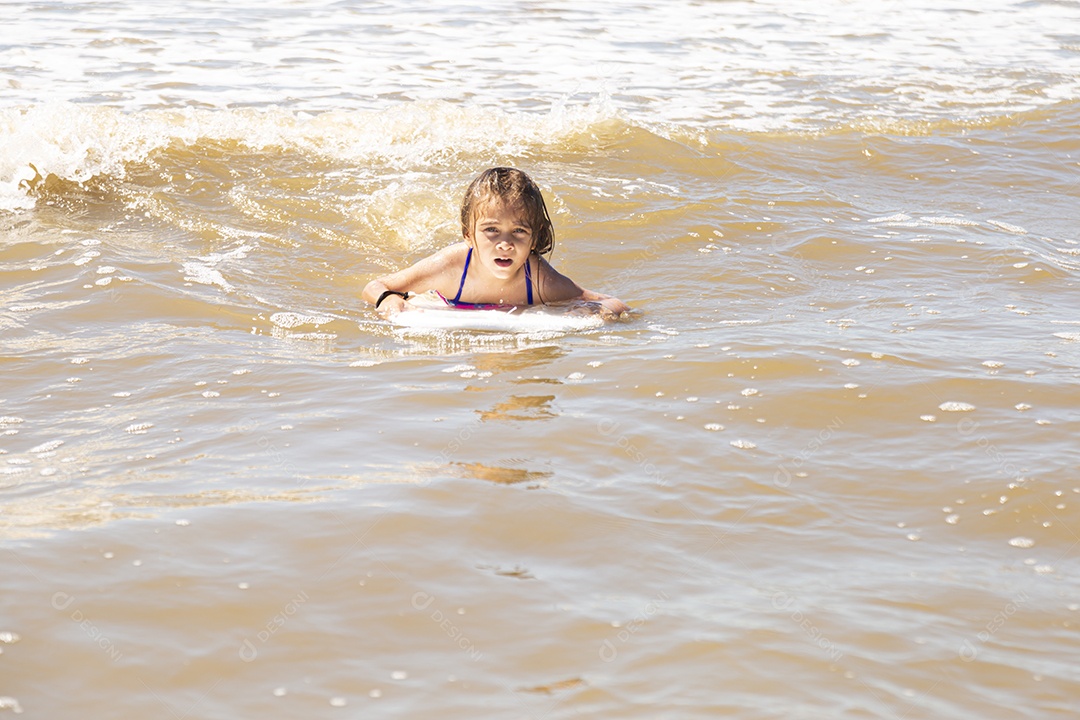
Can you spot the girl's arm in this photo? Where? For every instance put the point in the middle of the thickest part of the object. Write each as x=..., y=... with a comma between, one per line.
x=430, y=273
x=556, y=287
x=609, y=304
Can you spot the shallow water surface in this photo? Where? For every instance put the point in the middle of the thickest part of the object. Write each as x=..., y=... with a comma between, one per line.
x=826, y=469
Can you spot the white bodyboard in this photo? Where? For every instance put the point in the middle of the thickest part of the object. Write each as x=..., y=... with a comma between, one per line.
x=429, y=312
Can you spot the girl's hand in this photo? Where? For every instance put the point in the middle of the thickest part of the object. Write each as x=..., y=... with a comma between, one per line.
x=585, y=308
x=611, y=308
x=392, y=305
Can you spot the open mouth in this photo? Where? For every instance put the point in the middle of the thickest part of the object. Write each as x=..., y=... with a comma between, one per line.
x=504, y=262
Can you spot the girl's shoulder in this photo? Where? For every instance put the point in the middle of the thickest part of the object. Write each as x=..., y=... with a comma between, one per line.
x=452, y=253
x=554, y=286
x=448, y=259
x=439, y=270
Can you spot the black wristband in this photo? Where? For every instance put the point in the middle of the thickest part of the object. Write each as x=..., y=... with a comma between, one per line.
x=404, y=295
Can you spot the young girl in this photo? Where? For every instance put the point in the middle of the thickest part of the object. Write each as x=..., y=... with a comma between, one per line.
x=506, y=228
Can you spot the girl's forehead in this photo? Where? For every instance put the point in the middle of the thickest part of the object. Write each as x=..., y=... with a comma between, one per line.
x=497, y=206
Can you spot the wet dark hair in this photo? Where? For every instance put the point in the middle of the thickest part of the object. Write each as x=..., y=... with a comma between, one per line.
x=511, y=186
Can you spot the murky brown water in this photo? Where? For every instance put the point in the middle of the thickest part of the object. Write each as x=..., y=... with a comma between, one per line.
x=827, y=470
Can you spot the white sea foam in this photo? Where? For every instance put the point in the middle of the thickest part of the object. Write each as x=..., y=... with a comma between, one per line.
x=290, y=320
x=752, y=66
x=350, y=90
x=1014, y=229
x=78, y=143
x=941, y=220
x=205, y=275
x=894, y=218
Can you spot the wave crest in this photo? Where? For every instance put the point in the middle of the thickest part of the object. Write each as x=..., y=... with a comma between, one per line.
x=78, y=143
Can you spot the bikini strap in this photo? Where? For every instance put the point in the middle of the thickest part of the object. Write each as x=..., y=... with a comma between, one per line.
x=464, y=272
x=528, y=281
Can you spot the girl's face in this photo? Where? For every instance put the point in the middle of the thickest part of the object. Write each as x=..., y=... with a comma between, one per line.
x=503, y=238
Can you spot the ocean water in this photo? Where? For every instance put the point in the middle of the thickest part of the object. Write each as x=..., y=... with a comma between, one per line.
x=827, y=468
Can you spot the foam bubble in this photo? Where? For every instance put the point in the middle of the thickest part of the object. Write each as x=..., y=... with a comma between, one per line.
x=954, y=406
x=289, y=320
x=1015, y=229
x=963, y=222
x=10, y=703
x=204, y=275
x=897, y=217
x=459, y=368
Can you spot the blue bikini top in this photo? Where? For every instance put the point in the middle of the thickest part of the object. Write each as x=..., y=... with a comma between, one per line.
x=458, y=302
